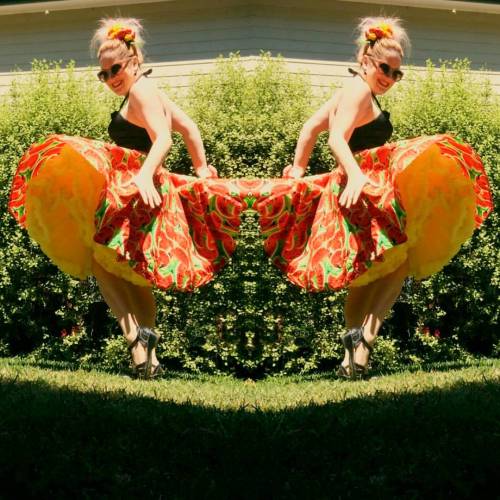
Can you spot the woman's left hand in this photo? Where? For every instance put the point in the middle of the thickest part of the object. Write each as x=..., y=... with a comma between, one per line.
x=207, y=172
x=352, y=191
x=147, y=190
x=293, y=172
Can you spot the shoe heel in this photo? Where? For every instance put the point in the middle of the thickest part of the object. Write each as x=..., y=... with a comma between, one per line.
x=351, y=340
x=152, y=342
x=348, y=343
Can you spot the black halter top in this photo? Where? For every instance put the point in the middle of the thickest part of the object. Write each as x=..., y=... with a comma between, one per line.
x=371, y=134
x=126, y=134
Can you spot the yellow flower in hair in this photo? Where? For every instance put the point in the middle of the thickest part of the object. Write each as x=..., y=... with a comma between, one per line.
x=386, y=30
x=118, y=32
x=113, y=31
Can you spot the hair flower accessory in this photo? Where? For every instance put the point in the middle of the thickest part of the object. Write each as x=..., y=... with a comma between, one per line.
x=375, y=33
x=122, y=33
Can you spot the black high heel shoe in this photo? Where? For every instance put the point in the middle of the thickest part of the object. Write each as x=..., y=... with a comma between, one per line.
x=148, y=338
x=351, y=340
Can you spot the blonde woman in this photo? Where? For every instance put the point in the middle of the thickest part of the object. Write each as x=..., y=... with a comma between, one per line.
x=113, y=211
x=387, y=211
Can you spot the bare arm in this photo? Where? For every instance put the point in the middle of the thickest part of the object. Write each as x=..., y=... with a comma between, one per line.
x=191, y=134
x=350, y=113
x=307, y=139
x=149, y=112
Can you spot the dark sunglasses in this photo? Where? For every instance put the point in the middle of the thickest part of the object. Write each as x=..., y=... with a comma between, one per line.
x=105, y=74
x=395, y=74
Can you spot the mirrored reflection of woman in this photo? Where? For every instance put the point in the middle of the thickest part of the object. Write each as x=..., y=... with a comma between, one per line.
x=387, y=211
x=112, y=211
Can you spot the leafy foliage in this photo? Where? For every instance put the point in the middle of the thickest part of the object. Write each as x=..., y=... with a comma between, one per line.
x=249, y=321
x=462, y=301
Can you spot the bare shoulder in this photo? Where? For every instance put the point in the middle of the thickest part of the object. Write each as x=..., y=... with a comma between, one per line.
x=355, y=91
x=319, y=120
x=147, y=89
x=144, y=90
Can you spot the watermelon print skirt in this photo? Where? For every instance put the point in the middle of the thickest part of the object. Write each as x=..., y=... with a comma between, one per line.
x=430, y=194
x=76, y=199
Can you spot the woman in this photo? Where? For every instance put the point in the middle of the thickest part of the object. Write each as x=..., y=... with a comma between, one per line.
x=113, y=211
x=384, y=214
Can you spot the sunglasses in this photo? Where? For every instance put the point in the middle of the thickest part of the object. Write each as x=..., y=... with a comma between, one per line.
x=105, y=74
x=395, y=74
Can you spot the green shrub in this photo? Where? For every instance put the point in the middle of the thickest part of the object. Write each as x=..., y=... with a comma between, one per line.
x=250, y=321
x=37, y=301
x=427, y=346
x=386, y=355
x=463, y=299
x=114, y=355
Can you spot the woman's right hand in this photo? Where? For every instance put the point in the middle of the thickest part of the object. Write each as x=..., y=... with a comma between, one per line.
x=356, y=181
x=207, y=172
x=293, y=172
x=147, y=190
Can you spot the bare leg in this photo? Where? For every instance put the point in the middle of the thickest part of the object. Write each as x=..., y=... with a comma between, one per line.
x=132, y=305
x=144, y=307
x=367, y=307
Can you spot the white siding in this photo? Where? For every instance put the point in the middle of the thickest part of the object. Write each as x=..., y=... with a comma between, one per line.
x=323, y=30
x=187, y=35
x=176, y=31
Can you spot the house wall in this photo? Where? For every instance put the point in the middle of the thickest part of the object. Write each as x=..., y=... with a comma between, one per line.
x=186, y=36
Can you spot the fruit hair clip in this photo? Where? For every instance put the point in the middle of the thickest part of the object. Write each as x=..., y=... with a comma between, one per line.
x=375, y=33
x=126, y=35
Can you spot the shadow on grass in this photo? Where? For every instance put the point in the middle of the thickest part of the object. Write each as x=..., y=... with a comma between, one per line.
x=64, y=443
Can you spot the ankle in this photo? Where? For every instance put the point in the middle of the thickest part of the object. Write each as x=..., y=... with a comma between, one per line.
x=131, y=335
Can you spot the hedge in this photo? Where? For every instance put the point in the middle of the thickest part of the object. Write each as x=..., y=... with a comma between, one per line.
x=250, y=321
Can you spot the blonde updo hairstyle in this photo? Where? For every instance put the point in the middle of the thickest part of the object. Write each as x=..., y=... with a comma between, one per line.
x=380, y=35
x=119, y=38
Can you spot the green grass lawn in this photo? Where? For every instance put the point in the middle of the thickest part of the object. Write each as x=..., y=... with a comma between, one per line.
x=85, y=434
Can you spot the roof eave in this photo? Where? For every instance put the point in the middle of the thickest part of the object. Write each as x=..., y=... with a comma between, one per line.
x=450, y=5
x=34, y=7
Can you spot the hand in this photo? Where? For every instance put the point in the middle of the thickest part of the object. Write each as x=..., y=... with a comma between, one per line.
x=293, y=172
x=355, y=183
x=207, y=172
x=147, y=190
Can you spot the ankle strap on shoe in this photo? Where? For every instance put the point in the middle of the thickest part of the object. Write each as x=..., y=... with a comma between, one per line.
x=366, y=344
x=358, y=337
x=143, y=334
